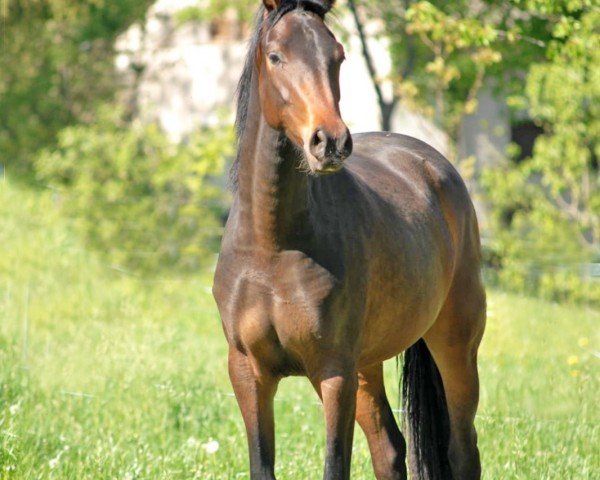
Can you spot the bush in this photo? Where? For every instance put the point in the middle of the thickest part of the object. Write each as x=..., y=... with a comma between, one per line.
x=56, y=67
x=546, y=209
x=141, y=200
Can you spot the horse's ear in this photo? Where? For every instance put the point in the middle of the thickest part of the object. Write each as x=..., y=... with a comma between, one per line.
x=325, y=5
x=271, y=4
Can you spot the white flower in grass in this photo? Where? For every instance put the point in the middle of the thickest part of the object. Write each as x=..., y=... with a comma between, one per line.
x=192, y=442
x=53, y=463
x=14, y=408
x=211, y=446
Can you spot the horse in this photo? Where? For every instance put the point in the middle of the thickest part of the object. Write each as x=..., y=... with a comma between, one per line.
x=342, y=251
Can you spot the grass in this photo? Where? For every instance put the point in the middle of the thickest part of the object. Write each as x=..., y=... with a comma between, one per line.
x=104, y=375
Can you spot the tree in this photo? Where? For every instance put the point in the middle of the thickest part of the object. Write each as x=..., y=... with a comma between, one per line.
x=386, y=106
x=547, y=208
x=56, y=66
x=441, y=52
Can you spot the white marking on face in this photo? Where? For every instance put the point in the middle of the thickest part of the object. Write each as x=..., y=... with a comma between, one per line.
x=285, y=94
x=307, y=133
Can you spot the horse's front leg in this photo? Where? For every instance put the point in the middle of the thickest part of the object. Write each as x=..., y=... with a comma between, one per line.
x=336, y=384
x=255, y=395
x=374, y=415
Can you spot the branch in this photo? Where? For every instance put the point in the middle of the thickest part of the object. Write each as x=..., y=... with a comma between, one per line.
x=383, y=104
x=533, y=41
x=411, y=51
x=476, y=86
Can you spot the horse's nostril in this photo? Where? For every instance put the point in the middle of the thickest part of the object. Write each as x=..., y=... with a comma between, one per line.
x=318, y=144
x=348, y=145
x=344, y=144
x=318, y=138
x=325, y=146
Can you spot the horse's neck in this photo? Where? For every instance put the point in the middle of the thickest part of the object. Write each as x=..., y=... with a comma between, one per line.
x=272, y=192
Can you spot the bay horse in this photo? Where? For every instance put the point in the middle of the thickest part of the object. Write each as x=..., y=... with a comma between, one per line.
x=341, y=252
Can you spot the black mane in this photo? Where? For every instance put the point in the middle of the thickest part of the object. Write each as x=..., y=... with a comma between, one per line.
x=318, y=7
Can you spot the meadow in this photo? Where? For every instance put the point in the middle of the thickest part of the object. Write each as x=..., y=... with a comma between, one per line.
x=109, y=375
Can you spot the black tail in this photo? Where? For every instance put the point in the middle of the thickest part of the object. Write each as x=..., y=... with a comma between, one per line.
x=425, y=415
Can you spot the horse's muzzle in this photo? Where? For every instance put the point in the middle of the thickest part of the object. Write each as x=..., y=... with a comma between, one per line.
x=330, y=151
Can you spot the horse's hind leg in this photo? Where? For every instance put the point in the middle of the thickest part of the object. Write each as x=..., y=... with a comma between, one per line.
x=255, y=398
x=375, y=417
x=453, y=342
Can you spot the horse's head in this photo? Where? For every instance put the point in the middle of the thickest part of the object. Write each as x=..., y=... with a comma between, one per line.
x=298, y=61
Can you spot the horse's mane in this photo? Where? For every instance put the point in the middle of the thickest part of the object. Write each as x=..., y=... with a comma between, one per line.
x=320, y=7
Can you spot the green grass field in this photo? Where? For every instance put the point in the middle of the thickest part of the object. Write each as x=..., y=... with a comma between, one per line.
x=105, y=375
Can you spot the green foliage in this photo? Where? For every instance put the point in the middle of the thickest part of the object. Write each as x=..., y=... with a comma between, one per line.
x=461, y=54
x=143, y=201
x=555, y=217
x=56, y=65
x=443, y=51
x=108, y=376
x=244, y=9
x=192, y=14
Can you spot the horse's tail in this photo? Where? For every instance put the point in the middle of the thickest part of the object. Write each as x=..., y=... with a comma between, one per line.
x=425, y=415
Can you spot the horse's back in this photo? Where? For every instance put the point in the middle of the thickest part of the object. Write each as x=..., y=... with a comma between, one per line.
x=407, y=161
x=415, y=177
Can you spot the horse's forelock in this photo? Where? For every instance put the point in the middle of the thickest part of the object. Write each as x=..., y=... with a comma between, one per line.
x=319, y=7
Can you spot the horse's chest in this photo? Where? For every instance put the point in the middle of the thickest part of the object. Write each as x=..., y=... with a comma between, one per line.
x=271, y=307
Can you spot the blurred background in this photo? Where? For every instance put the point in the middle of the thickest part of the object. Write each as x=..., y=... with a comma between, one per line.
x=116, y=134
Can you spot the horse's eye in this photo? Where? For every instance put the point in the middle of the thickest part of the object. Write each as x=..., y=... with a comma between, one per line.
x=274, y=58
